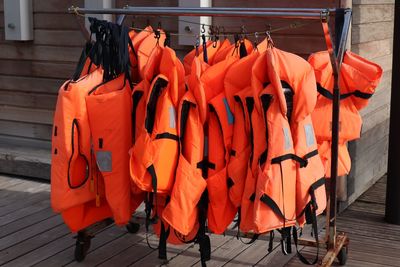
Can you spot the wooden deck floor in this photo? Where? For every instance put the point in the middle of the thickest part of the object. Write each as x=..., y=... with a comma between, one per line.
x=32, y=235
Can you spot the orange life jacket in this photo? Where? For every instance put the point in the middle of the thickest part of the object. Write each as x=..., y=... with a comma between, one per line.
x=71, y=174
x=218, y=134
x=206, y=56
x=239, y=49
x=357, y=82
x=181, y=213
x=109, y=110
x=155, y=152
x=137, y=39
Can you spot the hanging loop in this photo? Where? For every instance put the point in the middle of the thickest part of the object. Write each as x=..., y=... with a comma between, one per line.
x=256, y=40
x=203, y=30
x=269, y=40
x=157, y=35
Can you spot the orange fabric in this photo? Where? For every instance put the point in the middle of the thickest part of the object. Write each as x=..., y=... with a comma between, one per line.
x=211, y=53
x=145, y=49
x=109, y=110
x=357, y=82
x=219, y=133
x=233, y=51
x=137, y=39
x=156, y=144
x=181, y=211
x=71, y=155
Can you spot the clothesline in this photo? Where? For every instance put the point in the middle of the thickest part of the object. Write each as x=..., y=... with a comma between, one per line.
x=256, y=34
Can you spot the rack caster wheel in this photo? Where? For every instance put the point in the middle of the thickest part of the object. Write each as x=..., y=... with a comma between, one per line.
x=132, y=227
x=342, y=256
x=82, y=246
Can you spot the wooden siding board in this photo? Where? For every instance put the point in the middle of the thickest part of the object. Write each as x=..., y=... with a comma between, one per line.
x=28, y=100
x=38, y=116
x=372, y=13
x=36, y=68
x=26, y=51
x=371, y=32
x=29, y=130
x=30, y=84
x=374, y=49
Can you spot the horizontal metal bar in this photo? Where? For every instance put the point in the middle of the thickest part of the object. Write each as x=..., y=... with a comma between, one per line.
x=251, y=9
x=178, y=11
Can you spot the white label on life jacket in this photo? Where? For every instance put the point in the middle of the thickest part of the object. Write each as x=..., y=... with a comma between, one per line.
x=288, y=138
x=309, y=131
x=104, y=161
x=172, y=121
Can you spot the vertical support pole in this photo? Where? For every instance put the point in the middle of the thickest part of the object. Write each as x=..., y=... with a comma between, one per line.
x=392, y=211
x=342, y=24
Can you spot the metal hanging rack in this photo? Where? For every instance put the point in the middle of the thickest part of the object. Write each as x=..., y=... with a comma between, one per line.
x=335, y=243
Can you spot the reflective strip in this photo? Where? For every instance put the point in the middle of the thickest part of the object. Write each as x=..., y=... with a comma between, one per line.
x=309, y=131
x=228, y=111
x=104, y=160
x=288, y=138
x=172, y=116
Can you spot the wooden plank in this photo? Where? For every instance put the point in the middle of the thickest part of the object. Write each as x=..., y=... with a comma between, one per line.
x=113, y=247
x=36, y=68
x=30, y=231
x=30, y=244
x=375, y=117
x=372, y=13
x=372, y=2
x=371, y=32
x=26, y=222
x=373, y=49
x=10, y=141
x=251, y=255
x=18, y=214
x=55, y=6
x=23, y=129
x=190, y=256
x=66, y=256
x=27, y=51
x=31, y=115
x=22, y=189
x=63, y=38
x=30, y=84
x=45, y=21
x=31, y=100
x=125, y=257
x=226, y=252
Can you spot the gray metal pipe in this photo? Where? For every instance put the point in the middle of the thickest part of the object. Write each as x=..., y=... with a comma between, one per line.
x=203, y=12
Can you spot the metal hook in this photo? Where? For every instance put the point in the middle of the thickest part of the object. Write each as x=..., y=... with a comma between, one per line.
x=243, y=32
x=269, y=39
x=203, y=30
x=159, y=25
x=256, y=40
x=157, y=35
x=269, y=27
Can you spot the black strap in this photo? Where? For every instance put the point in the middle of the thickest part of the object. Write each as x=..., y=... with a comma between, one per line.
x=329, y=95
x=362, y=95
x=273, y=206
x=153, y=175
x=230, y=182
x=167, y=136
x=250, y=107
x=286, y=244
x=242, y=49
x=232, y=152
x=205, y=56
x=82, y=61
x=87, y=172
x=159, y=86
x=205, y=164
x=311, y=154
x=136, y=96
x=303, y=162
x=252, y=198
x=162, y=245
x=184, y=117
x=202, y=239
x=263, y=157
x=271, y=241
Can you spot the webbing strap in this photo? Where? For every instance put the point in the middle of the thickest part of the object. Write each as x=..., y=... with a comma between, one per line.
x=267, y=200
x=205, y=56
x=156, y=91
x=205, y=164
x=301, y=161
x=311, y=154
x=136, y=96
x=162, y=245
x=357, y=93
x=242, y=49
x=167, y=136
x=230, y=182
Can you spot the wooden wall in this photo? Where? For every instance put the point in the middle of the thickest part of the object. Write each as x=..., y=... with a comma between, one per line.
x=372, y=38
x=30, y=75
